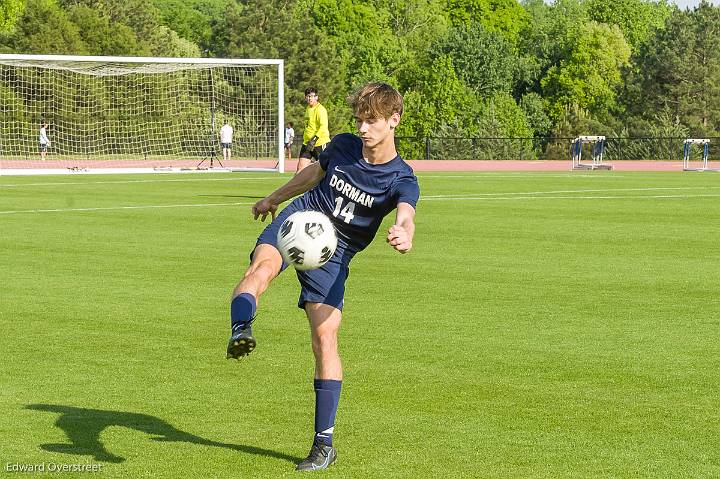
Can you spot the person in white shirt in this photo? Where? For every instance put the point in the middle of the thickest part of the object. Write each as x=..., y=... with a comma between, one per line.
x=289, y=139
x=226, y=134
x=44, y=141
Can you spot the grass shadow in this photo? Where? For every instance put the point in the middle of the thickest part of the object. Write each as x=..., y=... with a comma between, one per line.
x=83, y=427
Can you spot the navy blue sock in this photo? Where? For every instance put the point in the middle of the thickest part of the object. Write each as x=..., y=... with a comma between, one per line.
x=242, y=310
x=327, y=397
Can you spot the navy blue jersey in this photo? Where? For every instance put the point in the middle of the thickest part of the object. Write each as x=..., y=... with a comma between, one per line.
x=357, y=195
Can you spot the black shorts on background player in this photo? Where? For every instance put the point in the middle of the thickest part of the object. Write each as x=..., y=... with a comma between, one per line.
x=311, y=154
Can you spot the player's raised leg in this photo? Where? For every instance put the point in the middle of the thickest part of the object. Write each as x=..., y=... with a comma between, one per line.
x=324, y=325
x=264, y=267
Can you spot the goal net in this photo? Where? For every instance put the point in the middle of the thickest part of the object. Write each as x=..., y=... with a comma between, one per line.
x=139, y=114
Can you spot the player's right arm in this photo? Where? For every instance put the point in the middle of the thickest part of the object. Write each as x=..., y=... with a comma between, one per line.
x=306, y=179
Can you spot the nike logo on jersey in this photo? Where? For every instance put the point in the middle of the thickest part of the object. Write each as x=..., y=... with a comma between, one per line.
x=339, y=170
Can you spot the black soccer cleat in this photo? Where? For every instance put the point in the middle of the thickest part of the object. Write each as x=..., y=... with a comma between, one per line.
x=241, y=342
x=320, y=457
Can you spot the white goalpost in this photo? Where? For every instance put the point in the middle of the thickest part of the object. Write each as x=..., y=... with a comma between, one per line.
x=138, y=114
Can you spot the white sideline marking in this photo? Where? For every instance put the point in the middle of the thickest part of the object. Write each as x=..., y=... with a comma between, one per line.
x=116, y=208
x=604, y=190
x=426, y=198
x=618, y=197
x=119, y=182
x=184, y=180
x=467, y=197
x=537, y=174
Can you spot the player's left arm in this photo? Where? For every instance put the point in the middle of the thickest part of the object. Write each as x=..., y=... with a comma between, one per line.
x=400, y=235
x=323, y=129
x=322, y=119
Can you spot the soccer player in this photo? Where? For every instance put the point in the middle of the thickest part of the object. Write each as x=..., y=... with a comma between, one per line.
x=44, y=141
x=356, y=183
x=316, y=134
x=226, y=134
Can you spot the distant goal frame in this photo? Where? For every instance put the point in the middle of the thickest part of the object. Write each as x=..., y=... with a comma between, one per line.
x=273, y=96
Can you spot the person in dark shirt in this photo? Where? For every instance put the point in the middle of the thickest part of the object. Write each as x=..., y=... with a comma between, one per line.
x=356, y=182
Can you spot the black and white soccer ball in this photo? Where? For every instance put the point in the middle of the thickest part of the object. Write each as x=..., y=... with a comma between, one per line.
x=307, y=240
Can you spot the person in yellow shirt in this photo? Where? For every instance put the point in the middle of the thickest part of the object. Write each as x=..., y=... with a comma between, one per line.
x=316, y=135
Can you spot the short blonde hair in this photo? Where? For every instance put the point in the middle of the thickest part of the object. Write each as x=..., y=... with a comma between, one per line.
x=376, y=100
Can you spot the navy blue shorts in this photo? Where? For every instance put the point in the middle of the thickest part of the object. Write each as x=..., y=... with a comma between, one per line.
x=324, y=285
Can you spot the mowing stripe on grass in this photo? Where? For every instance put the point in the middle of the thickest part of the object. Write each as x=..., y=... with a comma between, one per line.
x=428, y=198
x=117, y=208
x=604, y=190
x=518, y=175
x=122, y=182
x=543, y=197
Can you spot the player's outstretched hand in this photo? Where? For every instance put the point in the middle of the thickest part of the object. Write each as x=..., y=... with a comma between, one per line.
x=399, y=239
x=263, y=207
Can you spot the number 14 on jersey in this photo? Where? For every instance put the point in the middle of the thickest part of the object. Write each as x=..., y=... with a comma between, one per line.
x=347, y=212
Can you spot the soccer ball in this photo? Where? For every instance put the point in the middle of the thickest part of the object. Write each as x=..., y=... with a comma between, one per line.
x=307, y=240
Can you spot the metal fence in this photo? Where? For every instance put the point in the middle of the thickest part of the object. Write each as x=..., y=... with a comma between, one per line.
x=539, y=148
x=544, y=148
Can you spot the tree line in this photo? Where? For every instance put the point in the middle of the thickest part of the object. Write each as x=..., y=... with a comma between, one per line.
x=467, y=68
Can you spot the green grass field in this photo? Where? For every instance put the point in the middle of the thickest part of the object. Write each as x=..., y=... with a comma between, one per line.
x=550, y=325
